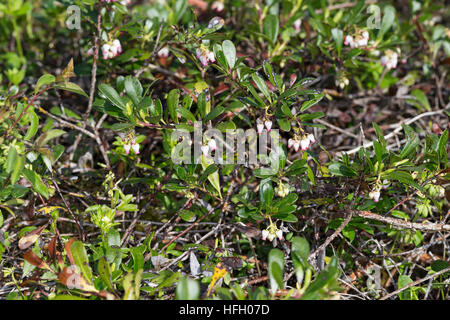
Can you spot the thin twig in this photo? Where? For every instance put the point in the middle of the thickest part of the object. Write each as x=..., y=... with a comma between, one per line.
x=412, y=284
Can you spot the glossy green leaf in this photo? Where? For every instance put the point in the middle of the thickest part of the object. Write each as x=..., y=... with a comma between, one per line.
x=229, y=51
x=72, y=87
x=81, y=259
x=275, y=269
x=36, y=182
x=44, y=80
x=172, y=103
x=111, y=94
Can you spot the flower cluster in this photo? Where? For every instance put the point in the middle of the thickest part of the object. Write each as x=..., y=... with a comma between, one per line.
x=260, y=125
x=271, y=233
x=302, y=143
x=129, y=143
x=360, y=40
x=205, y=55
x=390, y=59
x=282, y=190
x=111, y=49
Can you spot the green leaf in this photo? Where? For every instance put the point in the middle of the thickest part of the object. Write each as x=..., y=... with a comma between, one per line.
x=421, y=98
x=72, y=87
x=172, y=103
x=379, y=135
x=134, y=89
x=81, y=259
x=266, y=192
x=138, y=257
x=18, y=167
x=36, y=182
x=230, y=53
x=261, y=86
x=269, y=72
x=48, y=135
x=403, y=281
x=442, y=145
x=388, y=20
x=43, y=81
x=340, y=169
x=337, y=36
x=275, y=268
x=34, y=125
x=185, y=113
x=213, y=177
x=271, y=27
x=105, y=273
x=309, y=103
x=403, y=177
x=111, y=94
x=11, y=160
x=437, y=266
x=217, y=111
x=187, y=289
x=300, y=247
x=212, y=168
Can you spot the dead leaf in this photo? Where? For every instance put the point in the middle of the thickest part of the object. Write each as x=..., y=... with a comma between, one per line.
x=30, y=238
x=33, y=259
x=73, y=280
x=69, y=253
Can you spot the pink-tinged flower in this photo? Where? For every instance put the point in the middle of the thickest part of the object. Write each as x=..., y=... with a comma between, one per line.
x=218, y=6
x=348, y=41
x=363, y=39
x=125, y=2
x=390, y=59
x=135, y=147
x=375, y=195
x=264, y=234
x=211, y=56
x=297, y=25
x=127, y=148
x=163, y=53
x=291, y=143
x=117, y=46
x=268, y=125
x=259, y=126
x=294, y=111
x=205, y=150
x=111, y=49
x=304, y=144
x=212, y=144
x=296, y=145
x=105, y=51
x=205, y=56
x=311, y=138
x=279, y=234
